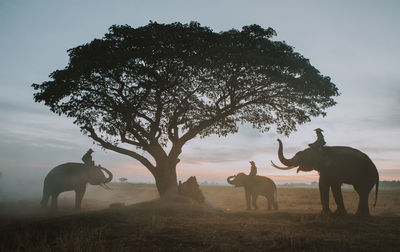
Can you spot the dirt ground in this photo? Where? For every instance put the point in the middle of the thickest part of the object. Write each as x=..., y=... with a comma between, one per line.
x=136, y=221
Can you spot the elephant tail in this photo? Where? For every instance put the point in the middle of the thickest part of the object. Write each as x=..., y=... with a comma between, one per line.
x=376, y=190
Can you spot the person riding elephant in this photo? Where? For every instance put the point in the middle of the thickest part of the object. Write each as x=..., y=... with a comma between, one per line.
x=320, y=142
x=87, y=158
x=318, y=146
x=254, y=186
x=336, y=165
x=253, y=169
x=73, y=177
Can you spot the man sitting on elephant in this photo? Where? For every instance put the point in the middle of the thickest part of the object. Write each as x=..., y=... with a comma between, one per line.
x=320, y=142
x=253, y=169
x=318, y=146
x=87, y=158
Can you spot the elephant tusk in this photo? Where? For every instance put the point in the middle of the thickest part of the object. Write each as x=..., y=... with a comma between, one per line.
x=105, y=186
x=282, y=168
x=110, y=175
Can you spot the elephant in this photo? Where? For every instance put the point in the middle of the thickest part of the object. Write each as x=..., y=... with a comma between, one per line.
x=190, y=188
x=254, y=186
x=72, y=177
x=336, y=165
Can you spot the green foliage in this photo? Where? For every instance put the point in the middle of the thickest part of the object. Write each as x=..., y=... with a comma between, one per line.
x=165, y=83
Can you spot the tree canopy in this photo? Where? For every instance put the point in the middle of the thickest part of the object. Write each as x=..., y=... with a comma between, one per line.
x=158, y=86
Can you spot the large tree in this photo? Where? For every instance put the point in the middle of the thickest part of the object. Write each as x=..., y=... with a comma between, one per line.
x=152, y=89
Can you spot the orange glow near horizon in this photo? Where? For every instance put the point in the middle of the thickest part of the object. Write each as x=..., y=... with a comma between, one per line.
x=220, y=171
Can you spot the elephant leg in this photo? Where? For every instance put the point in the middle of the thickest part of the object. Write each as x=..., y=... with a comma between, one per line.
x=275, y=204
x=54, y=198
x=337, y=194
x=248, y=195
x=270, y=201
x=275, y=197
x=324, y=194
x=45, y=199
x=79, y=196
x=363, y=209
x=254, y=200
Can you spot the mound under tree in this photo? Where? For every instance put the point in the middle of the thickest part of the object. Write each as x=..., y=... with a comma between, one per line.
x=145, y=92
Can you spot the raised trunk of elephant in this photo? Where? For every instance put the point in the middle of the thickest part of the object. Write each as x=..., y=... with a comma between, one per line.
x=230, y=179
x=288, y=162
x=96, y=175
x=110, y=175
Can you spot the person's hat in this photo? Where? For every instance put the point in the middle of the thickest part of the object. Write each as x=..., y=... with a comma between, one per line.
x=90, y=150
x=252, y=163
x=318, y=130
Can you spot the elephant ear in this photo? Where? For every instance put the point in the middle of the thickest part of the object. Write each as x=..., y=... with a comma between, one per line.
x=322, y=160
x=96, y=176
x=249, y=179
x=242, y=179
x=324, y=163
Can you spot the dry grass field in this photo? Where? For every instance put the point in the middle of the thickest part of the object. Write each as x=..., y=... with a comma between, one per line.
x=147, y=224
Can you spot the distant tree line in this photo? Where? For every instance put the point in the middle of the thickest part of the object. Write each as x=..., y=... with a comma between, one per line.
x=390, y=184
x=382, y=184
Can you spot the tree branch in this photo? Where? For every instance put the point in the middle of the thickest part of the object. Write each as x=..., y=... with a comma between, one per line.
x=112, y=147
x=126, y=140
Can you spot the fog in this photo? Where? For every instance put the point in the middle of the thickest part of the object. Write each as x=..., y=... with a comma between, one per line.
x=18, y=203
x=359, y=51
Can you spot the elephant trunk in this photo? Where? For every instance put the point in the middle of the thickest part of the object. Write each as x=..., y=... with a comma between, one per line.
x=110, y=175
x=230, y=179
x=290, y=163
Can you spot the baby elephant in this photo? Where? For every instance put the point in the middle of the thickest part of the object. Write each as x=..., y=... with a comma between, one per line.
x=255, y=185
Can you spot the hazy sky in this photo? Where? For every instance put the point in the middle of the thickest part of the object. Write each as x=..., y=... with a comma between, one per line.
x=356, y=43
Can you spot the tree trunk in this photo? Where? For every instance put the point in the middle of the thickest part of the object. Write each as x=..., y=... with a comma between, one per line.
x=166, y=181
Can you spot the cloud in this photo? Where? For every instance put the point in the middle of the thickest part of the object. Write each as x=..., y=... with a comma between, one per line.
x=377, y=105
x=366, y=117
x=11, y=107
x=247, y=143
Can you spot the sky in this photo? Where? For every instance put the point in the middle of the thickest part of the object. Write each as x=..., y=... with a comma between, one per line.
x=356, y=43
